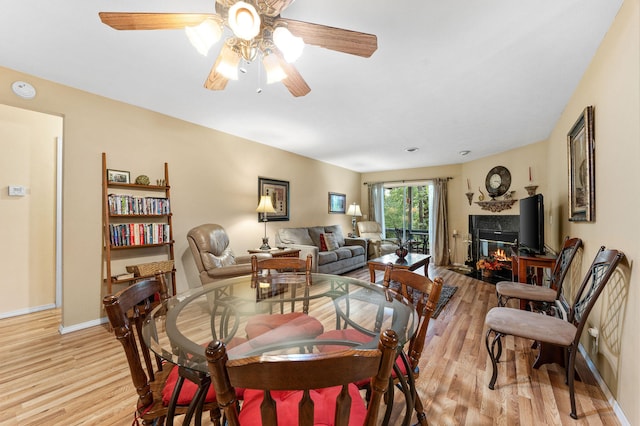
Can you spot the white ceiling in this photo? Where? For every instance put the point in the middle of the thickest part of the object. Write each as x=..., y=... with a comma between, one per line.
x=484, y=76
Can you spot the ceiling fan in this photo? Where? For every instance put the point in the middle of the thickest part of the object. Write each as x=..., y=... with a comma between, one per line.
x=258, y=29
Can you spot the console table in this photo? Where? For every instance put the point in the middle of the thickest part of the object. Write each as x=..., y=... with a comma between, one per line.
x=521, y=261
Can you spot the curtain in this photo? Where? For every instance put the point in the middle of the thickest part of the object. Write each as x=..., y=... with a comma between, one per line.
x=376, y=206
x=439, y=226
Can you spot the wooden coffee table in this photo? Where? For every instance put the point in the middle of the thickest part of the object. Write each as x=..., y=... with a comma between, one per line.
x=286, y=252
x=412, y=261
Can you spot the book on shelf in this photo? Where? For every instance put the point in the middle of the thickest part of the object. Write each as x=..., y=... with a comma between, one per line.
x=124, y=276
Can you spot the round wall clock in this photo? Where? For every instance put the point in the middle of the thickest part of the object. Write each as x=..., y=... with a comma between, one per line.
x=498, y=181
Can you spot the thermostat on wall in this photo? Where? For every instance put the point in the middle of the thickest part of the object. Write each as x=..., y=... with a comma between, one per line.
x=17, y=191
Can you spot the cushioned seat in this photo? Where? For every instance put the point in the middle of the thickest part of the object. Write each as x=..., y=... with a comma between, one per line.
x=265, y=329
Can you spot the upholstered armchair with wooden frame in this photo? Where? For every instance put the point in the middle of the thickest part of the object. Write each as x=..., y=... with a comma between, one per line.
x=424, y=294
x=507, y=290
x=162, y=391
x=377, y=246
x=550, y=330
x=303, y=389
x=209, y=244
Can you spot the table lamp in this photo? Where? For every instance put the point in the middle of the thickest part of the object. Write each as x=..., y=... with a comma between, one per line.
x=265, y=206
x=354, y=210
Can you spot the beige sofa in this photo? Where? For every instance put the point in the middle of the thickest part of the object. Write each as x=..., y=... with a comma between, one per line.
x=350, y=254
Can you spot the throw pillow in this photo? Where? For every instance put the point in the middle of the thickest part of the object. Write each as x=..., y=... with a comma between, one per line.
x=331, y=241
x=323, y=244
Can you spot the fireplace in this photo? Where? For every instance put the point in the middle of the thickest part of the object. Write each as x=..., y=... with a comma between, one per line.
x=493, y=236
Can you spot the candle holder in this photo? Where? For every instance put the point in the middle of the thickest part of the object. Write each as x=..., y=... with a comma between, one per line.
x=531, y=189
x=469, y=197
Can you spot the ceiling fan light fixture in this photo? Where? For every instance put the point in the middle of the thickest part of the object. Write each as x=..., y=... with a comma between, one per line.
x=272, y=67
x=204, y=35
x=228, y=62
x=290, y=45
x=244, y=20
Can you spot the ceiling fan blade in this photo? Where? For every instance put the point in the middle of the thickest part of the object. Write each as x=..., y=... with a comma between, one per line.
x=215, y=80
x=152, y=21
x=338, y=39
x=294, y=81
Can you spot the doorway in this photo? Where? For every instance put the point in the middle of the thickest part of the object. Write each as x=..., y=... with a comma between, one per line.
x=30, y=210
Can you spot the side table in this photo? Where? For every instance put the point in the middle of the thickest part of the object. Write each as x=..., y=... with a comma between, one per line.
x=286, y=252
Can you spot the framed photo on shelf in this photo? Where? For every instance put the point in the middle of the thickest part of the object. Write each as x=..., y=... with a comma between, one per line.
x=278, y=190
x=582, y=184
x=118, y=176
x=337, y=203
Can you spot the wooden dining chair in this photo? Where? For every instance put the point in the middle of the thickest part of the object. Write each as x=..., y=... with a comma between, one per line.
x=424, y=294
x=554, y=331
x=275, y=271
x=302, y=389
x=539, y=294
x=162, y=392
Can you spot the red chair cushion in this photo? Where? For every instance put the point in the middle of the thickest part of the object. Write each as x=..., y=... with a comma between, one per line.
x=265, y=329
x=324, y=401
x=189, y=388
x=346, y=334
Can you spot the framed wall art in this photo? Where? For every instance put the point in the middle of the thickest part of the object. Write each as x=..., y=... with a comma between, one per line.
x=278, y=190
x=337, y=203
x=582, y=184
x=118, y=176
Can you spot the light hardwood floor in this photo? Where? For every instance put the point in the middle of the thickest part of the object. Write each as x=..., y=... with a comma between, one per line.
x=82, y=378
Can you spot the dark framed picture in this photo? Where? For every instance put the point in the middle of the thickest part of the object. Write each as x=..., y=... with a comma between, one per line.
x=118, y=176
x=337, y=203
x=582, y=184
x=278, y=190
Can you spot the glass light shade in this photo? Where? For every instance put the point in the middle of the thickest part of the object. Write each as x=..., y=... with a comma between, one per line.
x=265, y=205
x=354, y=210
x=273, y=69
x=290, y=45
x=204, y=35
x=228, y=65
x=244, y=20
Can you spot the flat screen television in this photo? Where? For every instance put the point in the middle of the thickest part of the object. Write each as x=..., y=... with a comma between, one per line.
x=531, y=237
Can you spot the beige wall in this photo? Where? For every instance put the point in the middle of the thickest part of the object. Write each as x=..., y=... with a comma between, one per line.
x=213, y=176
x=611, y=85
x=27, y=223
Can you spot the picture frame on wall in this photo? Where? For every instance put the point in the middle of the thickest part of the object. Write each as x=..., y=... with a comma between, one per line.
x=337, y=203
x=581, y=156
x=278, y=190
x=118, y=176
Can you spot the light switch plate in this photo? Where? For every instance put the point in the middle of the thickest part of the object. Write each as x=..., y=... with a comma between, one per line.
x=17, y=191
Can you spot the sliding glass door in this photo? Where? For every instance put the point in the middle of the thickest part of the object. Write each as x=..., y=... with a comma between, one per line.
x=406, y=212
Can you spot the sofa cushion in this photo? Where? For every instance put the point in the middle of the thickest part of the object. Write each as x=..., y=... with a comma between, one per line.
x=343, y=253
x=314, y=233
x=295, y=236
x=323, y=244
x=337, y=231
x=325, y=257
x=330, y=240
x=355, y=250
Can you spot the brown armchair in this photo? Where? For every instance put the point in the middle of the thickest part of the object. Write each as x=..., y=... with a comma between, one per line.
x=214, y=258
x=378, y=246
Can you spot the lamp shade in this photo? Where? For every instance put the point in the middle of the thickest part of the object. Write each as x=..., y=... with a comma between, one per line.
x=265, y=205
x=204, y=35
x=354, y=210
x=244, y=20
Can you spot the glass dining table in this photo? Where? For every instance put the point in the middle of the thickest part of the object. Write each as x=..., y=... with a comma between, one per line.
x=291, y=312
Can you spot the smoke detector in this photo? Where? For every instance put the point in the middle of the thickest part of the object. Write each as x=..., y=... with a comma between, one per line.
x=23, y=89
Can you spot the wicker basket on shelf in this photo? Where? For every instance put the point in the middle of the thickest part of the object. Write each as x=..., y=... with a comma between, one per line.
x=152, y=268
